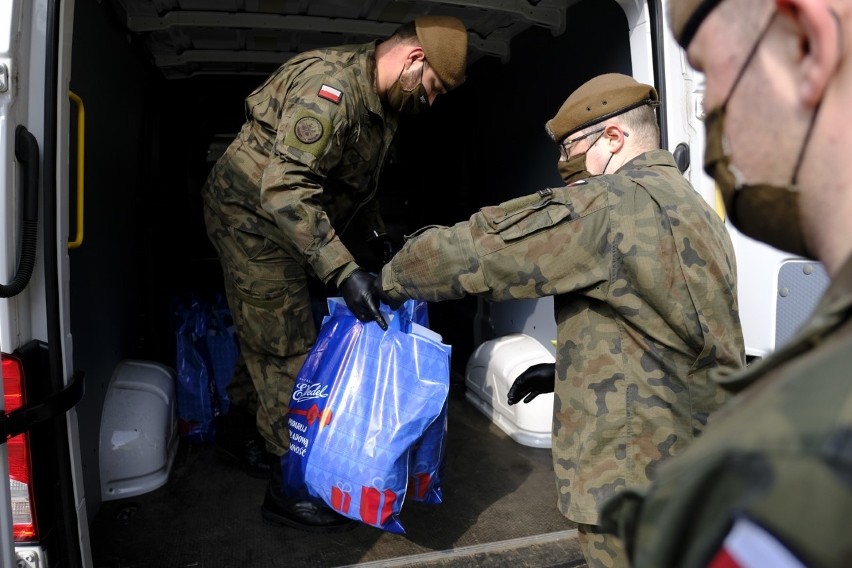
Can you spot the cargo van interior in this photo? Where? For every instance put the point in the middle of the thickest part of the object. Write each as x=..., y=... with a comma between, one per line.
x=163, y=84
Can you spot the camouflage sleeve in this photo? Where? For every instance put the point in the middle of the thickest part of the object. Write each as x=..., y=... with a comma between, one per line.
x=308, y=143
x=778, y=455
x=533, y=246
x=688, y=520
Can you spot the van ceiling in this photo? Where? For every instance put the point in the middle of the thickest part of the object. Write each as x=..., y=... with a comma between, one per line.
x=192, y=37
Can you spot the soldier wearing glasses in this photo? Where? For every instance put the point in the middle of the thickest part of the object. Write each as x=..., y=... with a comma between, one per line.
x=642, y=273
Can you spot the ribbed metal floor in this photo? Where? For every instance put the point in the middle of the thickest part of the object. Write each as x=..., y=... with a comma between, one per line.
x=499, y=510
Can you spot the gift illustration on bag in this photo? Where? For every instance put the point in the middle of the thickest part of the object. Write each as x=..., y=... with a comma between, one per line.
x=377, y=505
x=418, y=485
x=341, y=497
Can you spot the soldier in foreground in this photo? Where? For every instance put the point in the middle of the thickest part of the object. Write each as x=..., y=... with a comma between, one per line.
x=770, y=482
x=642, y=273
x=302, y=172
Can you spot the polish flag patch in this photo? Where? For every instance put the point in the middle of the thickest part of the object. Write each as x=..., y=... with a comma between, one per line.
x=749, y=545
x=330, y=94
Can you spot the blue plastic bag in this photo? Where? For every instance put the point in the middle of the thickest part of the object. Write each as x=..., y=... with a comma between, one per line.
x=426, y=462
x=414, y=311
x=426, y=459
x=361, y=405
x=205, y=357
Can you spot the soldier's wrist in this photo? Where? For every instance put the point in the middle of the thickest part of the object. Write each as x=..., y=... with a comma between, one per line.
x=344, y=272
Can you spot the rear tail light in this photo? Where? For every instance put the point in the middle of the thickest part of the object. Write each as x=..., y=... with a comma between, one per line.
x=20, y=465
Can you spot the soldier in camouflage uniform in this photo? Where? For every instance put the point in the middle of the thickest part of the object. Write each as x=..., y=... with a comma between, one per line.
x=770, y=482
x=301, y=171
x=643, y=278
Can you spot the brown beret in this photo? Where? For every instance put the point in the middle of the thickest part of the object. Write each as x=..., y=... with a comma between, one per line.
x=444, y=41
x=597, y=100
x=685, y=16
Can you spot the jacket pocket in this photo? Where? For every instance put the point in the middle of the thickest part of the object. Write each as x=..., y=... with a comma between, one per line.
x=526, y=215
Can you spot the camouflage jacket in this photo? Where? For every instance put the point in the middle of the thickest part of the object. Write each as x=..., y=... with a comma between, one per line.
x=308, y=157
x=777, y=459
x=643, y=277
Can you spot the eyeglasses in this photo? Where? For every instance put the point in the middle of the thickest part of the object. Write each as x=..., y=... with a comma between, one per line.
x=565, y=145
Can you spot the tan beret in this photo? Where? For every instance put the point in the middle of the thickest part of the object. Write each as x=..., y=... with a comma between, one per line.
x=685, y=16
x=597, y=100
x=444, y=41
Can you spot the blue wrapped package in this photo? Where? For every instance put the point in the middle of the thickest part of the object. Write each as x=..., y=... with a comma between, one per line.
x=205, y=356
x=362, y=401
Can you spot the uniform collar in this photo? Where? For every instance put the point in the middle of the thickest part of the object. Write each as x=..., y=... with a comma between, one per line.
x=648, y=159
x=367, y=61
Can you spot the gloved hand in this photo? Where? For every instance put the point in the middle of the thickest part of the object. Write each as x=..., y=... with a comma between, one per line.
x=380, y=293
x=360, y=297
x=536, y=380
x=381, y=245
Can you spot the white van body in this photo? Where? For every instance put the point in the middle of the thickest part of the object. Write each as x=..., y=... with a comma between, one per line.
x=87, y=309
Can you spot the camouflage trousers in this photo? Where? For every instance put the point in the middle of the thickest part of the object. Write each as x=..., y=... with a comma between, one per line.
x=267, y=293
x=600, y=549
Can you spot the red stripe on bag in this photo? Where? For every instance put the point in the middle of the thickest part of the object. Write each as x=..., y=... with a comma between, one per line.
x=387, y=509
x=313, y=414
x=370, y=505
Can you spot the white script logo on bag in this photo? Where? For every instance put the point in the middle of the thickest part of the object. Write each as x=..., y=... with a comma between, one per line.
x=304, y=391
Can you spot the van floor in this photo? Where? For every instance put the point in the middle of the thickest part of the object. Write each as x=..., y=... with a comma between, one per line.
x=499, y=509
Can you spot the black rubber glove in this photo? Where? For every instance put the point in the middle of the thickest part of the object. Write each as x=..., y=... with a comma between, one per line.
x=360, y=297
x=381, y=295
x=536, y=380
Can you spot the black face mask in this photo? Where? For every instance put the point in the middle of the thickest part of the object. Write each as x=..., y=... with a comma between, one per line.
x=762, y=211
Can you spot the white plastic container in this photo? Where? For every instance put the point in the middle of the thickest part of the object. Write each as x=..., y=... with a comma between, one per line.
x=491, y=370
x=138, y=435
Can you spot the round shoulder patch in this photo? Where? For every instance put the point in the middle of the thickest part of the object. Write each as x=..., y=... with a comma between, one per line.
x=308, y=129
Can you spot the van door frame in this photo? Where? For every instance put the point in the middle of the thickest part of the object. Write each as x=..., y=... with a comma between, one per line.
x=36, y=51
x=657, y=59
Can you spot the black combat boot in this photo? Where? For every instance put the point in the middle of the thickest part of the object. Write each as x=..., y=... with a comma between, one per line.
x=237, y=436
x=302, y=514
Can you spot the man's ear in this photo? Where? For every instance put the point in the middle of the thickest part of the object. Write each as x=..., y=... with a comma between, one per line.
x=415, y=54
x=820, y=45
x=614, y=137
